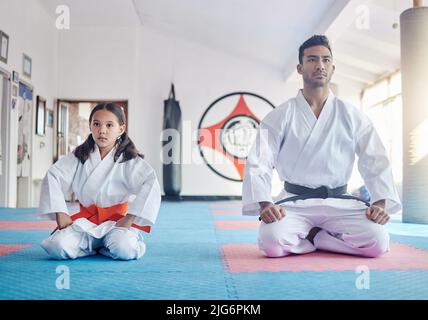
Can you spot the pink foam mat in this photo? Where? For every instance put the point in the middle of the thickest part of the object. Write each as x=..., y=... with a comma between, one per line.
x=225, y=205
x=6, y=249
x=248, y=258
x=226, y=212
x=27, y=225
x=230, y=225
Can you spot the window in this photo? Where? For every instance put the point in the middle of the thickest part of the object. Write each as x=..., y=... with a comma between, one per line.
x=382, y=103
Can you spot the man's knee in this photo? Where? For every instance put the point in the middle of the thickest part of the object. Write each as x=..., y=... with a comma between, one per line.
x=273, y=242
x=272, y=250
x=378, y=241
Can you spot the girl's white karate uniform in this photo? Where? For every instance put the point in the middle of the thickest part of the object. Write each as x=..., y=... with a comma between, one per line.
x=104, y=183
x=319, y=152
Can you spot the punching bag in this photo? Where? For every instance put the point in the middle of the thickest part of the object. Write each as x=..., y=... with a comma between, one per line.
x=171, y=146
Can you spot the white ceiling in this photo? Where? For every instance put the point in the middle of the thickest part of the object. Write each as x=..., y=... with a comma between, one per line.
x=90, y=13
x=364, y=55
x=268, y=32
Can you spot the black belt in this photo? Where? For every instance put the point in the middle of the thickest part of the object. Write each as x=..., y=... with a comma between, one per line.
x=323, y=192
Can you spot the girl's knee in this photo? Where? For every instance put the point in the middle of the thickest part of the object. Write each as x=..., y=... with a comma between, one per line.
x=63, y=244
x=56, y=248
x=123, y=244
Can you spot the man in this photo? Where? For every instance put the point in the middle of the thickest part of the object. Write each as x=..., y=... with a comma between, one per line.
x=312, y=140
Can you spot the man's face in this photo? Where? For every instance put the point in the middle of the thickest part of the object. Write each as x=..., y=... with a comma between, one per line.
x=317, y=67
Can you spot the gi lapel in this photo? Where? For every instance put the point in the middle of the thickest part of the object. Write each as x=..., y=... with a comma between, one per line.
x=99, y=173
x=317, y=135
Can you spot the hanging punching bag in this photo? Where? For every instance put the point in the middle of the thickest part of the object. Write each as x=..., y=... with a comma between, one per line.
x=171, y=146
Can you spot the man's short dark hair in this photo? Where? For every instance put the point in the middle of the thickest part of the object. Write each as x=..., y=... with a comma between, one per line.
x=315, y=40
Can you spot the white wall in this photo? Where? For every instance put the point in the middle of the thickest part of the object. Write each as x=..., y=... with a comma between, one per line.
x=139, y=65
x=32, y=31
x=201, y=75
x=97, y=63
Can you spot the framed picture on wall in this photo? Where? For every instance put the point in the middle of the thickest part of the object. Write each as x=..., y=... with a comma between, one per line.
x=50, y=118
x=15, y=76
x=14, y=102
x=4, y=46
x=26, y=65
x=14, y=90
x=40, y=116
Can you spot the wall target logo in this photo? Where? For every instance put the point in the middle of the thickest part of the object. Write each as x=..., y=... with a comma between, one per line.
x=227, y=131
x=238, y=134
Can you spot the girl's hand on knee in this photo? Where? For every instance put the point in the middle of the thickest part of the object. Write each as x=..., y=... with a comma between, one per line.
x=63, y=220
x=126, y=221
x=271, y=212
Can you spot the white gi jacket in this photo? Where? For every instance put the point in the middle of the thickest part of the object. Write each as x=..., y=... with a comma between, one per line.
x=103, y=183
x=317, y=152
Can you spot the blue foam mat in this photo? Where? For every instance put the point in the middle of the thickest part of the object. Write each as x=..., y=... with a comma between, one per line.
x=184, y=261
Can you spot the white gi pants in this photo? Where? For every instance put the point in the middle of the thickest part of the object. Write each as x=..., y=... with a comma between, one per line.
x=343, y=231
x=118, y=243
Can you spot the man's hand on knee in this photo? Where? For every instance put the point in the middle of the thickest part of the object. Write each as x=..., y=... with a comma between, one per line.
x=270, y=212
x=376, y=212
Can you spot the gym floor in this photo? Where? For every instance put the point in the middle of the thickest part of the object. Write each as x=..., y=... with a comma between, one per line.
x=207, y=250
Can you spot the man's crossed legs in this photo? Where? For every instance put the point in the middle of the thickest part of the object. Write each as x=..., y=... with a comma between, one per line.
x=342, y=231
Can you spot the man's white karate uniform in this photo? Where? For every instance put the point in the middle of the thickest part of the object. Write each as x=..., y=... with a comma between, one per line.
x=315, y=152
x=104, y=183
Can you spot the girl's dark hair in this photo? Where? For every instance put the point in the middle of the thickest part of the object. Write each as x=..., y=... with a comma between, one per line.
x=124, y=145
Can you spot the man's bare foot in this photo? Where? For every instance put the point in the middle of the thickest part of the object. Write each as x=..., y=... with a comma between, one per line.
x=311, y=235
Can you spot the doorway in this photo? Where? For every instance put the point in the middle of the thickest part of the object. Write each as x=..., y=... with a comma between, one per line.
x=4, y=137
x=24, y=151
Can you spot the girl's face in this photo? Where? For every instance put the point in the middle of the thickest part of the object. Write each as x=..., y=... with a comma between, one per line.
x=105, y=129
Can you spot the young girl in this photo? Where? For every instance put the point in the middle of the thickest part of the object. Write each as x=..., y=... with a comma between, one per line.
x=104, y=173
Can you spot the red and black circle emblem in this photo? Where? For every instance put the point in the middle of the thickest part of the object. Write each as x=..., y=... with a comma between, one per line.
x=227, y=131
